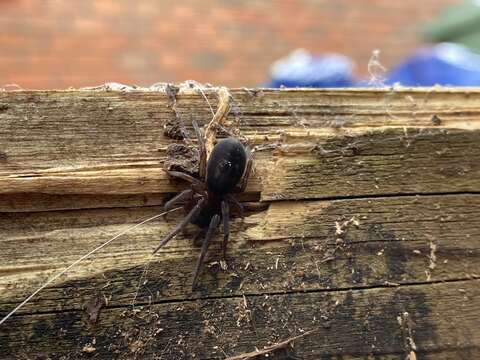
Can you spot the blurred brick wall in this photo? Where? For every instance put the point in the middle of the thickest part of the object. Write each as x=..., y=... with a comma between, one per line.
x=57, y=44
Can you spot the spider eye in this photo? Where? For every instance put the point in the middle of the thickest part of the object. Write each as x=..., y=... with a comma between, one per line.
x=225, y=165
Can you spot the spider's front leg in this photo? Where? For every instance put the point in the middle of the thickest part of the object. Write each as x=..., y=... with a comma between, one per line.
x=184, y=195
x=195, y=182
x=211, y=229
x=186, y=220
x=246, y=174
x=202, y=150
x=242, y=185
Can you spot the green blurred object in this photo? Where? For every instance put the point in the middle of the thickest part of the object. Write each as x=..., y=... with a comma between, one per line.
x=458, y=24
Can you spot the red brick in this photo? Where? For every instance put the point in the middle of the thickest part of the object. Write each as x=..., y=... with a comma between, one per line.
x=89, y=26
x=109, y=8
x=78, y=43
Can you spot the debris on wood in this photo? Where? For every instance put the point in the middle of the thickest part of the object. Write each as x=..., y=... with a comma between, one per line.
x=279, y=350
x=93, y=308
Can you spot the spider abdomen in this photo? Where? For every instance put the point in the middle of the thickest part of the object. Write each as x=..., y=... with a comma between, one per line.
x=226, y=166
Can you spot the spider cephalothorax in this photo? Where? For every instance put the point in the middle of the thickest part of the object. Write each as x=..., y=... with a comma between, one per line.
x=209, y=197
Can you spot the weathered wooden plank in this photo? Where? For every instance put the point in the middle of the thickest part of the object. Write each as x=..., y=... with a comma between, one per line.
x=378, y=163
x=345, y=142
x=292, y=246
x=78, y=167
x=423, y=320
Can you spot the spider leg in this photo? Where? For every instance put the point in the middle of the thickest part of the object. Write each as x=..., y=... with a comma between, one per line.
x=185, y=194
x=186, y=177
x=196, y=209
x=211, y=229
x=198, y=239
x=246, y=174
x=235, y=202
x=226, y=226
x=202, y=166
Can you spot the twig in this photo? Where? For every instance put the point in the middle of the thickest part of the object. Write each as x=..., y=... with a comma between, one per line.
x=280, y=345
x=218, y=119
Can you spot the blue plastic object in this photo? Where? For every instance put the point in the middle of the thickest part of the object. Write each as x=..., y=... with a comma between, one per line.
x=443, y=64
x=301, y=69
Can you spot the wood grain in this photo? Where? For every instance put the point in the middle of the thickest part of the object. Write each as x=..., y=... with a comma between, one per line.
x=361, y=225
x=382, y=323
x=348, y=142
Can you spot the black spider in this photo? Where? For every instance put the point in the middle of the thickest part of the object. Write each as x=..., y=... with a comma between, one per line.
x=208, y=199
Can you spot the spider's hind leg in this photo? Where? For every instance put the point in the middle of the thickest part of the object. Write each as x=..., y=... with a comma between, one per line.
x=198, y=239
x=237, y=204
x=226, y=226
x=211, y=229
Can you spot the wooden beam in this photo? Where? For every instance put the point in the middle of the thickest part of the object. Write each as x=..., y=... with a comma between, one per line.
x=361, y=225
